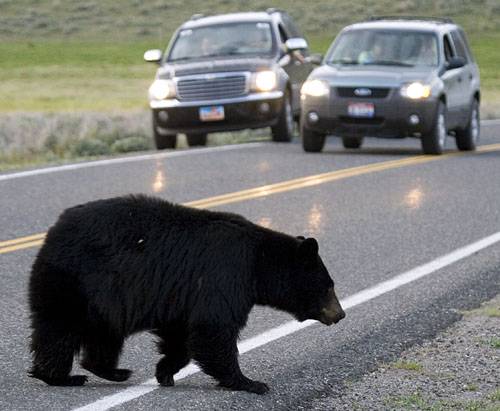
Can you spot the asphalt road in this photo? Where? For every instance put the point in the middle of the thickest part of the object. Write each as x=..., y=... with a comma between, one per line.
x=372, y=224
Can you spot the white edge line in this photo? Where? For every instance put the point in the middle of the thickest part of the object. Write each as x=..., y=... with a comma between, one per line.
x=121, y=160
x=490, y=122
x=290, y=327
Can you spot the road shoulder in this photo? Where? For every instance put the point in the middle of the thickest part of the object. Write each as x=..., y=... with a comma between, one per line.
x=457, y=370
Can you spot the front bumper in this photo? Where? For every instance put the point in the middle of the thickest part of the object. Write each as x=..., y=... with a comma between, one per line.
x=254, y=110
x=391, y=118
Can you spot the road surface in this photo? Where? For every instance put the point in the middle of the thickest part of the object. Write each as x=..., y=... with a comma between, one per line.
x=408, y=239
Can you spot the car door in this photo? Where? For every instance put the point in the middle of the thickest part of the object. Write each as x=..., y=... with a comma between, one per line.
x=452, y=80
x=466, y=79
x=296, y=64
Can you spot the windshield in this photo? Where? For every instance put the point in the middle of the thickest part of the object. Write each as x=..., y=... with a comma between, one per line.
x=385, y=47
x=223, y=40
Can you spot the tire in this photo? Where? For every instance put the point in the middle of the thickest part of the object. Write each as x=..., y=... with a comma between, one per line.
x=312, y=141
x=468, y=137
x=434, y=142
x=196, y=139
x=283, y=130
x=163, y=141
x=352, y=142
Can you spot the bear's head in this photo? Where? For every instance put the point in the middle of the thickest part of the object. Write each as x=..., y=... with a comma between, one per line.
x=313, y=287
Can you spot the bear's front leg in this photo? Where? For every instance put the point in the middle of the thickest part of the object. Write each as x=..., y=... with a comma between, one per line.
x=214, y=348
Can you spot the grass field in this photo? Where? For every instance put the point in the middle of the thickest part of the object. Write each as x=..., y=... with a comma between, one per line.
x=78, y=76
x=75, y=55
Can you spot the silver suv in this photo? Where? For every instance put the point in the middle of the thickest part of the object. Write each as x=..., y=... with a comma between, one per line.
x=394, y=77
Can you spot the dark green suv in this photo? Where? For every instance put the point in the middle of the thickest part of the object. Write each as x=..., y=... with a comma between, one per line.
x=229, y=72
x=394, y=77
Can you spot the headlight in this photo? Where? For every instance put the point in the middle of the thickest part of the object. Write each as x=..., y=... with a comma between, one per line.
x=264, y=81
x=416, y=90
x=315, y=88
x=162, y=89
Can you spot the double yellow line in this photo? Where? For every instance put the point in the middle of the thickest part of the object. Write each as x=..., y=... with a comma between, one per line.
x=263, y=191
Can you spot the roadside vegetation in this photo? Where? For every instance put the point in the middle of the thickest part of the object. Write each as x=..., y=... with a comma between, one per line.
x=86, y=57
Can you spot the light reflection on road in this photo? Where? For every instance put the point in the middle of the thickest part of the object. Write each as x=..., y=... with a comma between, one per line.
x=414, y=198
x=159, y=180
x=314, y=220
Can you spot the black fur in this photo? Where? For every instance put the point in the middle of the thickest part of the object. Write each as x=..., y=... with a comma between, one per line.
x=111, y=268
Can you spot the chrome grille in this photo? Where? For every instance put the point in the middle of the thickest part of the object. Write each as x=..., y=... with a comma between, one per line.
x=211, y=87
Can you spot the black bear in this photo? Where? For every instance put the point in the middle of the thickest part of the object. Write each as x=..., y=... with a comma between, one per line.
x=114, y=267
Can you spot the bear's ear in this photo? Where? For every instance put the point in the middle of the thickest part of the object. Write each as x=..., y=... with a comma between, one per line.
x=300, y=237
x=308, y=248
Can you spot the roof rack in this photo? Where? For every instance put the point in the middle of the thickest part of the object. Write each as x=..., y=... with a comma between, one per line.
x=197, y=16
x=421, y=18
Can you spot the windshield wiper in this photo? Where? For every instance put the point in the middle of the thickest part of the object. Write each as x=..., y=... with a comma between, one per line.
x=180, y=59
x=388, y=63
x=344, y=61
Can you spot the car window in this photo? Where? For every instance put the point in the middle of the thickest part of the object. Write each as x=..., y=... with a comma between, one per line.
x=283, y=34
x=448, y=51
x=459, y=45
x=290, y=26
x=385, y=47
x=252, y=38
x=466, y=44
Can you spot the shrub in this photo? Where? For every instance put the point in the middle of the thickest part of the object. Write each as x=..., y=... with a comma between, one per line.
x=128, y=144
x=90, y=147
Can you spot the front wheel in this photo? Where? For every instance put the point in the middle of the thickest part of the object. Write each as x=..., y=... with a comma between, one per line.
x=434, y=142
x=468, y=137
x=283, y=130
x=312, y=141
x=162, y=140
x=352, y=142
x=196, y=139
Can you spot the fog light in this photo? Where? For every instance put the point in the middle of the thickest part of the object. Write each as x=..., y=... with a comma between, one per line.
x=163, y=116
x=264, y=108
x=414, y=120
x=313, y=117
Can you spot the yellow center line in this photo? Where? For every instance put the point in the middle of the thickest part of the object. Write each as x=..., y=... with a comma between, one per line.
x=22, y=239
x=266, y=190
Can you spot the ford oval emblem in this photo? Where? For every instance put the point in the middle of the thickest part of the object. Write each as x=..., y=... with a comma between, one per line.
x=362, y=92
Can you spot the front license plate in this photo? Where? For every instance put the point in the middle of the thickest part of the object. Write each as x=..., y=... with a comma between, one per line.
x=212, y=113
x=366, y=110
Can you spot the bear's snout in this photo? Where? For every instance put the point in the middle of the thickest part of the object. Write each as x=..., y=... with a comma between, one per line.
x=333, y=312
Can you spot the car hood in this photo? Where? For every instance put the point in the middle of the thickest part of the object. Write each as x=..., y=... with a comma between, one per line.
x=171, y=70
x=372, y=76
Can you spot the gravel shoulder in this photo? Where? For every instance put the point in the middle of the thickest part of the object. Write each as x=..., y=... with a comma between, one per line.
x=458, y=370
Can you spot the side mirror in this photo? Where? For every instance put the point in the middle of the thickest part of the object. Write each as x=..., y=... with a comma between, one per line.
x=295, y=43
x=153, y=56
x=316, y=59
x=455, y=62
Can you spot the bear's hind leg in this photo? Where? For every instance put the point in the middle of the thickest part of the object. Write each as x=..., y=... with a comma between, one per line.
x=214, y=349
x=101, y=354
x=175, y=355
x=53, y=351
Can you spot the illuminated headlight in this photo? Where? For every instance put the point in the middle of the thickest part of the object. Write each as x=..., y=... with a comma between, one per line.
x=264, y=81
x=162, y=89
x=315, y=88
x=416, y=91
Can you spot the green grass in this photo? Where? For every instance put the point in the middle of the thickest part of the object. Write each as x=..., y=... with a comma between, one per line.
x=78, y=56
x=411, y=401
x=52, y=75
x=494, y=342
x=407, y=365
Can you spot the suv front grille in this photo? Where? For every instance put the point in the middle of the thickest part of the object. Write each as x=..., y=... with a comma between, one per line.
x=375, y=92
x=212, y=87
